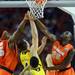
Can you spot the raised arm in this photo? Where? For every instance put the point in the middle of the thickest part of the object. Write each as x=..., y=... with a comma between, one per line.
x=44, y=29
x=66, y=61
x=41, y=48
x=34, y=33
x=19, y=31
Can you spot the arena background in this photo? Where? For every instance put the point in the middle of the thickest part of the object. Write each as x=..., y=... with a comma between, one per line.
x=56, y=20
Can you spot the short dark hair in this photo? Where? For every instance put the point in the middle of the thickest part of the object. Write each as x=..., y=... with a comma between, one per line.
x=34, y=62
x=22, y=45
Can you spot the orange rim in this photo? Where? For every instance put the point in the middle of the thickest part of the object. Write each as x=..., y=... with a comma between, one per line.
x=40, y=2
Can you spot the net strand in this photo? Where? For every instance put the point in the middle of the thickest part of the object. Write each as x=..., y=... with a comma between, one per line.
x=36, y=10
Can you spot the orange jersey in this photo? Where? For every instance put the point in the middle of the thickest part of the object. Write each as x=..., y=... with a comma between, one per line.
x=8, y=57
x=59, y=52
x=67, y=72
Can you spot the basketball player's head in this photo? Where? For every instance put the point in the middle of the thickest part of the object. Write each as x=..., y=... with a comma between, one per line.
x=66, y=37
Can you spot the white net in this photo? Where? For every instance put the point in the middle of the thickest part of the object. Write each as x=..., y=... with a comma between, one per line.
x=36, y=9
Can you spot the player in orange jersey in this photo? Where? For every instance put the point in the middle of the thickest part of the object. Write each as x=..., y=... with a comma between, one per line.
x=60, y=50
x=8, y=49
x=59, y=62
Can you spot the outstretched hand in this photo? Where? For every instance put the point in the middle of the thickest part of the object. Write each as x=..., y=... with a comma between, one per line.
x=30, y=16
x=26, y=16
x=44, y=40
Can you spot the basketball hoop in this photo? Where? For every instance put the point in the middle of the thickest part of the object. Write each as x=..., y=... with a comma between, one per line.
x=37, y=7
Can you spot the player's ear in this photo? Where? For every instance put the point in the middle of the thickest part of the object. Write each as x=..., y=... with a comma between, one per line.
x=34, y=62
